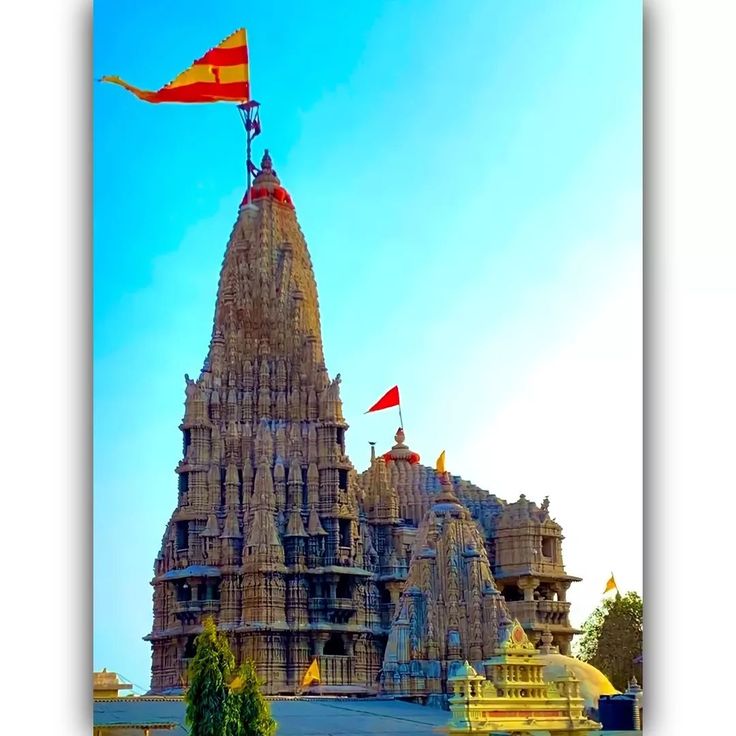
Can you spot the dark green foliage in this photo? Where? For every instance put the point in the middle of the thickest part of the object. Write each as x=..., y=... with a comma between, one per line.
x=250, y=713
x=220, y=701
x=612, y=639
x=209, y=675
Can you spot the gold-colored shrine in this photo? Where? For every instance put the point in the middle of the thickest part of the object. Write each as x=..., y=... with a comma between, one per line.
x=295, y=554
x=513, y=696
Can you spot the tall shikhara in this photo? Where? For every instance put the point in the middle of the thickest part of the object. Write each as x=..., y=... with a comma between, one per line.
x=295, y=555
x=266, y=525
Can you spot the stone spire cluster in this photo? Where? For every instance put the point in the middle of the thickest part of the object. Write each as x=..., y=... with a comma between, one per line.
x=449, y=609
x=294, y=554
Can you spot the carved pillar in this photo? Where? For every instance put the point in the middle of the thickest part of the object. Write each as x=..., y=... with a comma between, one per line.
x=561, y=589
x=320, y=639
x=528, y=585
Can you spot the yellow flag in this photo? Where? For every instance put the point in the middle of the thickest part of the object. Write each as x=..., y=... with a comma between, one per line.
x=610, y=585
x=312, y=674
x=441, y=462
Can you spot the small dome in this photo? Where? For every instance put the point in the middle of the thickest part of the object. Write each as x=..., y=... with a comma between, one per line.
x=593, y=683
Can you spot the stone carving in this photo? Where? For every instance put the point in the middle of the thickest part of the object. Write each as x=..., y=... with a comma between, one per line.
x=438, y=571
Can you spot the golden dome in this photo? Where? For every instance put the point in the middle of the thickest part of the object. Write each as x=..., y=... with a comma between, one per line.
x=593, y=683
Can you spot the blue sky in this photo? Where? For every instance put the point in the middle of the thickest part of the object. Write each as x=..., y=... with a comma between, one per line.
x=468, y=177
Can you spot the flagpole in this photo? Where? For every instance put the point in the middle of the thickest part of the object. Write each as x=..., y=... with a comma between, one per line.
x=249, y=114
x=248, y=159
x=401, y=419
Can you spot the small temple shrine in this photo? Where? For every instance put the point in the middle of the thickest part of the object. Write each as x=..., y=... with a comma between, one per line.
x=513, y=696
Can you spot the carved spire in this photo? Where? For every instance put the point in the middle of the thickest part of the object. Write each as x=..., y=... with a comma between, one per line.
x=315, y=527
x=211, y=530
x=295, y=525
x=447, y=492
x=267, y=299
x=449, y=608
x=382, y=500
x=232, y=528
x=262, y=545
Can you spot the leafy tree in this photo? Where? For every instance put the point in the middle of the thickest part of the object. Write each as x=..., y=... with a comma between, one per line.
x=210, y=672
x=612, y=639
x=250, y=713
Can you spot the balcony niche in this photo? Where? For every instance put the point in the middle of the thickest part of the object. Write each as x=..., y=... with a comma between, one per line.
x=335, y=646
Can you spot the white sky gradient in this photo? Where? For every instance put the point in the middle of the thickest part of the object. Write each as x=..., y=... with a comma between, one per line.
x=571, y=430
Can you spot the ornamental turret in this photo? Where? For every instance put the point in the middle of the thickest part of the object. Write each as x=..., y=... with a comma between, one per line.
x=530, y=572
x=449, y=608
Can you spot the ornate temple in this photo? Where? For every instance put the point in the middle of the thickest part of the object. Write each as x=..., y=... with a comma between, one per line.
x=512, y=695
x=387, y=577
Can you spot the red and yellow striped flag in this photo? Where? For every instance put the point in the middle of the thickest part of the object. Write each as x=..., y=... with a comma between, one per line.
x=221, y=75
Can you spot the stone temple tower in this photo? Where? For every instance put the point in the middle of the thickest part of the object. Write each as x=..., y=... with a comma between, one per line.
x=293, y=553
x=265, y=534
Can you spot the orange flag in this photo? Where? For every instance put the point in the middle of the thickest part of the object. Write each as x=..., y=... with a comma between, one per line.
x=611, y=585
x=221, y=75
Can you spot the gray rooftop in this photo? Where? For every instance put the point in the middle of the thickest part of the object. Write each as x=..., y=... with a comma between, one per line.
x=145, y=711
x=305, y=717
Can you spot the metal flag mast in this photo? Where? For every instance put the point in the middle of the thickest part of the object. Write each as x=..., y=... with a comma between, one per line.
x=250, y=115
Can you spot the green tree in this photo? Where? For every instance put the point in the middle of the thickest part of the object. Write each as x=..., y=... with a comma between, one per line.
x=612, y=639
x=249, y=713
x=210, y=672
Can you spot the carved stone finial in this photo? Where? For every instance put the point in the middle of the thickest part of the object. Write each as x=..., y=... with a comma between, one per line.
x=266, y=163
x=399, y=436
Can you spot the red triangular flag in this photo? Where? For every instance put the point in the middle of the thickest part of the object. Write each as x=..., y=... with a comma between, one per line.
x=389, y=399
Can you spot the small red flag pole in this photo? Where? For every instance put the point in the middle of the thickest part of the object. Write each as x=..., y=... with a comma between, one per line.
x=401, y=419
